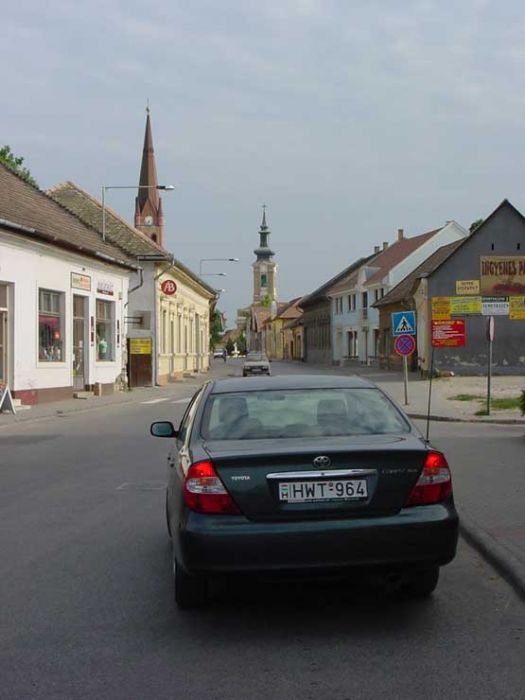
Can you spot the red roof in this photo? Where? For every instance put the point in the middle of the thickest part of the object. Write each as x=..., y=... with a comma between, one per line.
x=396, y=253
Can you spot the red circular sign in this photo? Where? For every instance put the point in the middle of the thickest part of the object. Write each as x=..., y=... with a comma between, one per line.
x=404, y=345
x=168, y=287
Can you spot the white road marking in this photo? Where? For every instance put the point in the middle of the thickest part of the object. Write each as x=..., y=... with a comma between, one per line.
x=156, y=400
x=187, y=400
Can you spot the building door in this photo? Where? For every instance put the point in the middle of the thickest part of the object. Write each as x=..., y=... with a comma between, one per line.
x=5, y=364
x=79, y=341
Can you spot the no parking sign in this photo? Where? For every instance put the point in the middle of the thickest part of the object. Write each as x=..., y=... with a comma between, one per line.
x=404, y=345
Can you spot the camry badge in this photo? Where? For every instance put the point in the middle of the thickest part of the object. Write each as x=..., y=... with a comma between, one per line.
x=322, y=461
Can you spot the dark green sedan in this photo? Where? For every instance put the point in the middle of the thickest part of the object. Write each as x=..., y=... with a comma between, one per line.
x=308, y=474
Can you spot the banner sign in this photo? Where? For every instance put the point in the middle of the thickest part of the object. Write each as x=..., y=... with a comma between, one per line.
x=79, y=281
x=517, y=308
x=140, y=346
x=448, y=334
x=440, y=308
x=502, y=275
x=495, y=306
x=467, y=287
x=465, y=306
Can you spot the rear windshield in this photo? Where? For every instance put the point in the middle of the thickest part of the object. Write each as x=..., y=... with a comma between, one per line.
x=257, y=356
x=300, y=413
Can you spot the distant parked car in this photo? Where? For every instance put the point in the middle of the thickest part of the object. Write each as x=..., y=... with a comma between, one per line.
x=304, y=474
x=256, y=363
x=220, y=353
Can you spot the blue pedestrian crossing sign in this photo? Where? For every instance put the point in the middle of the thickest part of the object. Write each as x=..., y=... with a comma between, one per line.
x=404, y=323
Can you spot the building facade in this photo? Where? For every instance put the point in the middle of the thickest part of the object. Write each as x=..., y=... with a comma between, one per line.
x=63, y=293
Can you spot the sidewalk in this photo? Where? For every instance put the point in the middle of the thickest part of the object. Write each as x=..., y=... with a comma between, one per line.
x=491, y=540
x=51, y=409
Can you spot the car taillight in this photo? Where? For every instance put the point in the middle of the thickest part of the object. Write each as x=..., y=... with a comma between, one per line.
x=434, y=484
x=204, y=492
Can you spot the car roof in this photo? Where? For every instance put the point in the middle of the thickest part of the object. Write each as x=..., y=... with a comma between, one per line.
x=290, y=381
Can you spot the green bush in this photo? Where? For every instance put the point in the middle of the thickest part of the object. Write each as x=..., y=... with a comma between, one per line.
x=522, y=402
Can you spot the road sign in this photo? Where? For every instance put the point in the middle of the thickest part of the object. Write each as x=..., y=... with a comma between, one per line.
x=448, y=334
x=495, y=306
x=404, y=345
x=404, y=323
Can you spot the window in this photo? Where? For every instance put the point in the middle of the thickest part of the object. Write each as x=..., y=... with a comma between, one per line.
x=50, y=326
x=264, y=280
x=274, y=414
x=104, y=330
x=163, y=332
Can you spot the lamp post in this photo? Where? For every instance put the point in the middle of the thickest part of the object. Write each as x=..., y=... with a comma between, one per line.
x=202, y=260
x=214, y=274
x=126, y=187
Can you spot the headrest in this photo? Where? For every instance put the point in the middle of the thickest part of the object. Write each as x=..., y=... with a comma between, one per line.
x=232, y=408
x=331, y=409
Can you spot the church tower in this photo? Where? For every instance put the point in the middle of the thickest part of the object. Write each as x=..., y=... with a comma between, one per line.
x=149, y=217
x=264, y=267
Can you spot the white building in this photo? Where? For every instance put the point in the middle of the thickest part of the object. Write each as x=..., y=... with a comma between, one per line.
x=63, y=293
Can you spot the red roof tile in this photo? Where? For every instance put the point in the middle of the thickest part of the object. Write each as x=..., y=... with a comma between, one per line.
x=396, y=252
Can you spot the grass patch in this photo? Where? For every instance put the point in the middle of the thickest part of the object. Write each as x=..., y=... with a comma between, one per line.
x=501, y=404
x=505, y=403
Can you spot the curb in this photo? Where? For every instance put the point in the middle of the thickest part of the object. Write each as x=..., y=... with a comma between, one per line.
x=449, y=419
x=497, y=555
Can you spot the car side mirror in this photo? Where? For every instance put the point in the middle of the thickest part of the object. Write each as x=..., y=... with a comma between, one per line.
x=163, y=429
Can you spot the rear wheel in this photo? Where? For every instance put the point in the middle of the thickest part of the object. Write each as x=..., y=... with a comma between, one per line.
x=419, y=583
x=190, y=591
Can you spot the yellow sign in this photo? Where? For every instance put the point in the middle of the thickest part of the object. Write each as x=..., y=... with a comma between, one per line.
x=502, y=275
x=463, y=306
x=517, y=308
x=440, y=308
x=467, y=287
x=140, y=346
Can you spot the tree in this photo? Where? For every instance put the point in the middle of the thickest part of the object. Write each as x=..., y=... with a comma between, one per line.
x=475, y=224
x=216, y=328
x=16, y=164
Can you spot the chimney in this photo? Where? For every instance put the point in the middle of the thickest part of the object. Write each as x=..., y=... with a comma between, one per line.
x=385, y=245
x=400, y=234
x=376, y=249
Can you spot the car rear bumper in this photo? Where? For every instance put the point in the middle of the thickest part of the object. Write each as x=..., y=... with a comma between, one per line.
x=419, y=536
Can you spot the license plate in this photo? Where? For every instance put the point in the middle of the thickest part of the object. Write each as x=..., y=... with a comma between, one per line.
x=318, y=491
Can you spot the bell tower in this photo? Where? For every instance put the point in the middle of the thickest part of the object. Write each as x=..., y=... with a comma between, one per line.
x=264, y=267
x=149, y=217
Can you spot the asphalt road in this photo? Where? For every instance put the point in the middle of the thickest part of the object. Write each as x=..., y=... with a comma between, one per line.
x=86, y=594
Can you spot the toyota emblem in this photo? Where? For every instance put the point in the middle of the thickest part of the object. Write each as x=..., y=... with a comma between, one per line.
x=322, y=461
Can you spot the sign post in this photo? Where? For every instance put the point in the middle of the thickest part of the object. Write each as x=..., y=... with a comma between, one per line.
x=490, y=338
x=405, y=345
x=404, y=330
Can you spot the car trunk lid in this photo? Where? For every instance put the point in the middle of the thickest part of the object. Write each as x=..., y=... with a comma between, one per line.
x=364, y=476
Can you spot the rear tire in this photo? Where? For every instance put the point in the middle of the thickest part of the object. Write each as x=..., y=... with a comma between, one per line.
x=420, y=583
x=190, y=591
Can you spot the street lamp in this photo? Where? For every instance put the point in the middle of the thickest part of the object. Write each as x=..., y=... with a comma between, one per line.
x=214, y=274
x=126, y=187
x=215, y=260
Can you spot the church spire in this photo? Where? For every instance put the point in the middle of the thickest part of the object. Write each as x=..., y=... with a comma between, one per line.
x=264, y=267
x=148, y=205
x=263, y=252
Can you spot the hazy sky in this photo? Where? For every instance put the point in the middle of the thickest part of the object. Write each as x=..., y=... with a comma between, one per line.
x=349, y=119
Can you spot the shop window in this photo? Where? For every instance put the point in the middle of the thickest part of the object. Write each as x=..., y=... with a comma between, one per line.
x=104, y=330
x=50, y=326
